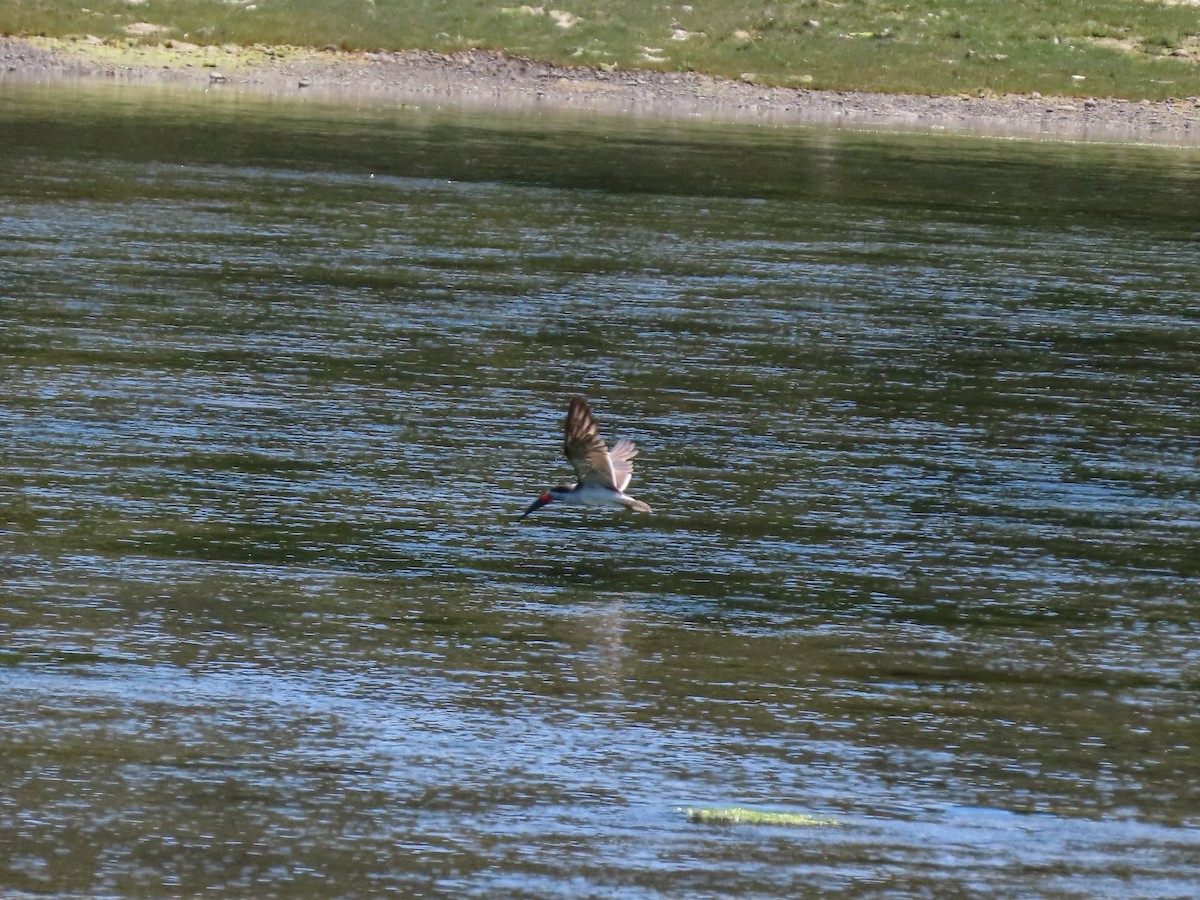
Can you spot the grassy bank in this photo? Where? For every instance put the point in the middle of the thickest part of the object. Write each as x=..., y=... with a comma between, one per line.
x=1137, y=49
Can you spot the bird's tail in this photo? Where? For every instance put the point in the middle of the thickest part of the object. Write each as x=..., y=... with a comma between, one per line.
x=636, y=505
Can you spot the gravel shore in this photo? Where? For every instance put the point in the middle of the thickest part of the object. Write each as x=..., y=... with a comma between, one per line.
x=485, y=78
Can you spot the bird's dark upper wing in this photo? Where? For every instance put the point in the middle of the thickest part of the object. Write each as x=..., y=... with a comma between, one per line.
x=585, y=448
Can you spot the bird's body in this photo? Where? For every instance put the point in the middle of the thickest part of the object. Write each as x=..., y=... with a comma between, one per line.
x=602, y=474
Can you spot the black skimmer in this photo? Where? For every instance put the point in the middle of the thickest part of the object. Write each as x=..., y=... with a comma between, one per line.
x=603, y=474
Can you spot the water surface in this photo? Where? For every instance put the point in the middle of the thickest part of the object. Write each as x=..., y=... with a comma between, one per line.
x=918, y=419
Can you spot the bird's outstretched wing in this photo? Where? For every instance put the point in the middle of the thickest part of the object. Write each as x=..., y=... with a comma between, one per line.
x=587, y=453
x=621, y=457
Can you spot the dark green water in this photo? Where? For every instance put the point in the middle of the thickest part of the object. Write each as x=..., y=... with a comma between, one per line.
x=918, y=416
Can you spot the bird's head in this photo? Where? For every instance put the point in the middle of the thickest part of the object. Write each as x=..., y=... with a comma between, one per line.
x=555, y=493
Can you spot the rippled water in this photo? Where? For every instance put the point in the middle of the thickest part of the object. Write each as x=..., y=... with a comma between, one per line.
x=918, y=419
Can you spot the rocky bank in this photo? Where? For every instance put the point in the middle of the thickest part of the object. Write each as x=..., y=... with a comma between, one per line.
x=484, y=78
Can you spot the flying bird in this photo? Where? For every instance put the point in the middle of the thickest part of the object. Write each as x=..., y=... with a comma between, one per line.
x=602, y=474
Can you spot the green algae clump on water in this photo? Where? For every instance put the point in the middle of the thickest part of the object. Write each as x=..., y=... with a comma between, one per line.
x=736, y=815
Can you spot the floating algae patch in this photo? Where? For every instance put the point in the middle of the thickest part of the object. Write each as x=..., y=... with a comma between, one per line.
x=736, y=815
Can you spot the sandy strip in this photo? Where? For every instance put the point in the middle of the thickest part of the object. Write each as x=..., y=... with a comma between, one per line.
x=484, y=78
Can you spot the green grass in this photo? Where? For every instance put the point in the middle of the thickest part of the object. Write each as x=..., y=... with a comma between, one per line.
x=1139, y=49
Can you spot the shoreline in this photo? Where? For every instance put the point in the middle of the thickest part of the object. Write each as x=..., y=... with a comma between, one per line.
x=480, y=78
